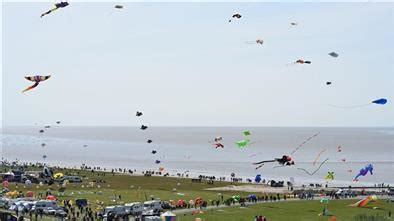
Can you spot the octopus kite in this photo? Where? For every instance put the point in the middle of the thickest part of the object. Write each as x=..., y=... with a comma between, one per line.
x=36, y=79
x=57, y=6
x=364, y=171
x=283, y=161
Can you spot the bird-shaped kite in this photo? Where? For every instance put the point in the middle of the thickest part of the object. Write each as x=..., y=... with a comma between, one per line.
x=36, y=79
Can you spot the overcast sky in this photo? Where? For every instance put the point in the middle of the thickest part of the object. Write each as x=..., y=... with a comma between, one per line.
x=184, y=64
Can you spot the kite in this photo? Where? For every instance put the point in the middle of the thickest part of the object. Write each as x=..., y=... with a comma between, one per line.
x=118, y=6
x=242, y=143
x=143, y=127
x=41, y=131
x=300, y=61
x=85, y=145
x=217, y=139
x=381, y=101
x=343, y=160
x=57, y=6
x=138, y=114
x=329, y=176
x=36, y=79
x=246, y=132
x=364, y=171
x=283, y=161
x=333, y=54
x=149, y=141
x=308, y=139
x=314, y=162
x=157, y=161
x=44, y=156
x=154, y=152
x=328, y=83
x=365, y=201
x=238, y=16
x=294, y=23
x=257, y=179
x=58, y=122
x=257, y=41
x=217, y=145
x=309, y=173
x=47, y=127
x=43, y=144
x=339, y=149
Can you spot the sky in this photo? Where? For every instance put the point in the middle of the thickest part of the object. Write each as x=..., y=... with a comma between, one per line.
x=184, y=64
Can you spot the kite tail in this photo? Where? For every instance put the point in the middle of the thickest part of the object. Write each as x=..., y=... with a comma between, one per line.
x=354, y=106
x=30, y=87
x=48, y=12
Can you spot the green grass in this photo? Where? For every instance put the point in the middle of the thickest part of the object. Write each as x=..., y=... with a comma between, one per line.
x=131, y=188
x=293, y=211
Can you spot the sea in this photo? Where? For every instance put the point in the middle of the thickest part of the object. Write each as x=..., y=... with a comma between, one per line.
x=190, y=150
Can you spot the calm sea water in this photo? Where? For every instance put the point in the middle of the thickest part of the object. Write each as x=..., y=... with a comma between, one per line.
x=183, y=149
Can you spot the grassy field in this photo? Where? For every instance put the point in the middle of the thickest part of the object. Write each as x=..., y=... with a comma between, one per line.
x=139, y=188
x=131, y=188
x=294, y=211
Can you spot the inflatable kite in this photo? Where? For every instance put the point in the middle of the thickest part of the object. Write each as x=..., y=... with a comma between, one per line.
x=309, y=173
x=138, y=114
x=143, y=127
x=257, y=179
x=329, y=176
x=36, y=79
x=365, y=201
x=364, y=171
x=381, y=101
x=283, y=161
x=237, y=16
x=57, y=6
x=333, y=54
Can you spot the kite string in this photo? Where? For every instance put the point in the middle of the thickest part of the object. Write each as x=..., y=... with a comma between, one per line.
x=315, y=170
x=354, y=106
x=308, y=139
x=314, y=162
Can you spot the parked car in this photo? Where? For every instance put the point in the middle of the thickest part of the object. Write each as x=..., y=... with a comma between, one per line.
x=111, y=211
x=135, y=208
x=44, y=204
x=71, y=179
